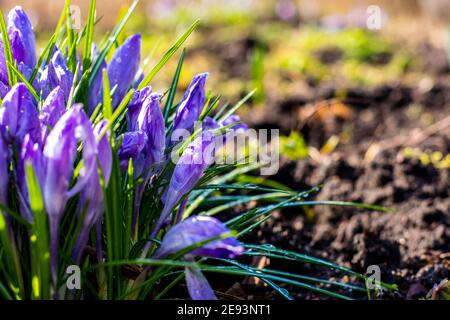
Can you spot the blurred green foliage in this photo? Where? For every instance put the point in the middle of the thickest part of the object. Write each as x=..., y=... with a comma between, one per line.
x=293, y=146
x=358, y=57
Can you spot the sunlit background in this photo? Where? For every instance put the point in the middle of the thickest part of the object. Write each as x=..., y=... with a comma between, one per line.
x=289, y=50
x=362, y=105
x=252, y=43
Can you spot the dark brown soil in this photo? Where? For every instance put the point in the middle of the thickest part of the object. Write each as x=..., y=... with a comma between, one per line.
x=411, y=244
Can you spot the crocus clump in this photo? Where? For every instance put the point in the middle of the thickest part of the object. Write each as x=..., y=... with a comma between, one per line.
x=50, y=129
x=99, y=171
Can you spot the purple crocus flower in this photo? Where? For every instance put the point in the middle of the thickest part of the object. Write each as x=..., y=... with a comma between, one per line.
x=151, y=121
x=4, y=82
x=210, y=123
x=104, y=155
x=92, y=194
x=235, y=119
x=192, y=104
x=55, y=74
x=190, y=232
x=19, y=116
x=135, y=107
x=145, y=142
x=3, y=89
x=131, y=148
x=198, y=286
x=123, y=67
x=4, y=169
x=198, y=229
x=190, y=167
x=21, y=35
x=52, y=110
x=59, y=155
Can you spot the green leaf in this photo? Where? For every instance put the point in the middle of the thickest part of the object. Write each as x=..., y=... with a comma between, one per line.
x=230, y=112
x=173, y=86
x=243, y=200
x=45, y=53
x=71, y=42
x=168, y=55
x=107, y=101
x=110, y=42
x=114, y=232
x=269, y=250
x=117, y=113
x=7, y=50
x=128, y=237
x=24, y=80
x=262, y=276
x=89, y=35
x=39, y=239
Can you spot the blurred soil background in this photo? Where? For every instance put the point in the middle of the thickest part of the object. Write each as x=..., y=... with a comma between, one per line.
x=363, y=113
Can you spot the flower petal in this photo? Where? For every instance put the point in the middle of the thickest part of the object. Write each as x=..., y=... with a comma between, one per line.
x=55, y=74
x=132, y=145
x=19, y=116
x=4, y=169
x=22, y=38
x=52, y=110
x=135, y=107
x=151, y=121
x=123, y=67
x=198, y=229
x=192, y=104
x=198, y=286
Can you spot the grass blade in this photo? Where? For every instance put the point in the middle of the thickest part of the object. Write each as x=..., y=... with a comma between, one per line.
x=110, y=42
x=107, y=101
x=7, y=50
x=24, y=80
x=173, y=87
x=149, y=77
x=40, y=266
x=89, y=35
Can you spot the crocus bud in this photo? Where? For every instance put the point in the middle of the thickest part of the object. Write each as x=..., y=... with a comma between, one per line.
x=193, y=231
x=198, y=286
x=192, y=104
x=104, y=152
x=3, y=90
x=55, y=74
x=131, y=148
x=4, y=169
x=60, y=152
x=123, y=67
x=198, y=155
x=235, y=119
x=151, y=121
x=199, y=229
x=19, y=116
x=210, y=124
x=91, y=197
x=27, y=72
x=146, y=121
x=135, y=107
x=21, y=35
x=3, y=68
x=52, y=110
